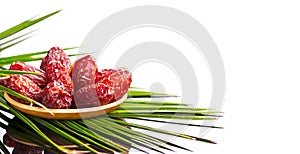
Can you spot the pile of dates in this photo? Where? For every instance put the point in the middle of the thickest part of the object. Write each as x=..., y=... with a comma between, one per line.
x=60, y=85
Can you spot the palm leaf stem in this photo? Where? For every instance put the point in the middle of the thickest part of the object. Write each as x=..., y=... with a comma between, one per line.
x=24, y=25
x=103, y=130
x=177, y=123
x=127, y=135
x=161, y=131
x=188, y=117
x=107, y=144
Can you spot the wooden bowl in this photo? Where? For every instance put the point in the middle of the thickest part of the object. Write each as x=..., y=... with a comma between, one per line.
x=65, y=114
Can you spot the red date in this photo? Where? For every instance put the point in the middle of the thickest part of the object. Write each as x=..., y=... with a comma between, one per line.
x=86, y=88
x=9, y=141
x=4, y=81
x=93, y=95
x=110, y=85
x=39, y=79
x=84, y=72
x=119, y=80
x=56, y=63
x=58, y=93
x=44, y=63
x=25, y=86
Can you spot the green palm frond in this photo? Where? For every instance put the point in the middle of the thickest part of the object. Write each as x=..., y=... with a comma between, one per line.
x=142, y=93
x=23, y=25
x=34, y=56
x=7, y=72
x=16, y=38
x=13, y=44
x=107, y=133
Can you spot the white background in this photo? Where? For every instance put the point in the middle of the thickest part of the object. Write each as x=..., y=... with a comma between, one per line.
x=258, y=41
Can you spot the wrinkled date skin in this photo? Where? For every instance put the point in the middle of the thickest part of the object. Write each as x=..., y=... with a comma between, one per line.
x=93, y=95
x=110, y=85
x=104, y=74
x=4, y=81
x=39, y=79
x=25, y=149
x=119, y=80
x=58, y=93
x=55, y=88
x=84, y=72
x=55, y=64
x=25, y=86
x=44, y=63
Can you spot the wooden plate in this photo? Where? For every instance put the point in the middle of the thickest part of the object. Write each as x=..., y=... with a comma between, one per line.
x=65, y=114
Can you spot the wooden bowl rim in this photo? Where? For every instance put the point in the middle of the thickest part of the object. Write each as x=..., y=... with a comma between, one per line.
x=83, y=111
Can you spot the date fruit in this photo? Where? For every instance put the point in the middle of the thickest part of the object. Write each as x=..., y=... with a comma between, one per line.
x=84, y=72
x=119, y=79
x=39, y=79
x=58, y=93
x=110, y=85
x=93, y=95
x=9, y=141
x=4, y=81
x=55, y=64
x=25, y=86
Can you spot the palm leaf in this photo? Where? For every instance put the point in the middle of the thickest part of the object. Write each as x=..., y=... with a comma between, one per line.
x=62, y=133
x=177, y=123
x=3, y=148
x=13, y=44
x=24, y=25
x=33, y=126
x=162, y=131
x=6, y=72
x=108, y=133
x=111, y=129
x=144, y=102
x=34, y=56
x=105, y=143
x=145, y=94
x=16, y=38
